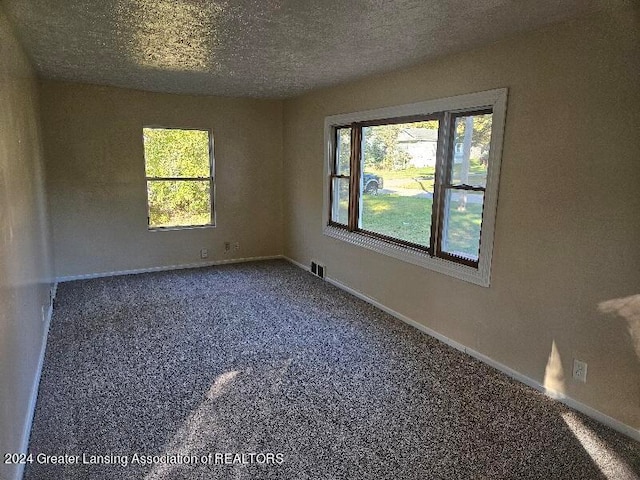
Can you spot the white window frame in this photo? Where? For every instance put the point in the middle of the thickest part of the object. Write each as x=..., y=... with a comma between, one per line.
x=494, y=99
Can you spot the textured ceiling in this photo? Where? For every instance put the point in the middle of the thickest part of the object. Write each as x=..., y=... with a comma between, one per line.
x=268, y=48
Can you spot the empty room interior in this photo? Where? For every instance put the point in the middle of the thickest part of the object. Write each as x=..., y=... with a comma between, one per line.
x=319, y=239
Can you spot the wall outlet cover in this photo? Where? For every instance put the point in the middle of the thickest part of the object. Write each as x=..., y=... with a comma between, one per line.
x=580, y=371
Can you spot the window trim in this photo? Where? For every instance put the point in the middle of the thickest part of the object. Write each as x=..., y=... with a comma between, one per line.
x=210, y=179
x=496, y=100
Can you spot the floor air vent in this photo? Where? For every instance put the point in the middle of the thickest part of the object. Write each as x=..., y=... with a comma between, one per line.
x=317, y=270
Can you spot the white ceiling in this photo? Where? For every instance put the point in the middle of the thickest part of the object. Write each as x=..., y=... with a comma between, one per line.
x=269, y=48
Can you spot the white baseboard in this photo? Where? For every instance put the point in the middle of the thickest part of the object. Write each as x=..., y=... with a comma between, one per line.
x=298, y=264
x=163, y=268
x=561, y=397
x=31, y=409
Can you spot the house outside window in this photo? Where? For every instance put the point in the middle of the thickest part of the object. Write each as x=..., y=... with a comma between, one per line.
x=419, y=182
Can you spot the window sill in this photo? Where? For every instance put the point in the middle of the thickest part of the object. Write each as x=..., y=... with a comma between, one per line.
x=478, y=276
x=187, y=227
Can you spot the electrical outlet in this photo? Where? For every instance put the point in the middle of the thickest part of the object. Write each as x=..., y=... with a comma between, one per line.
x=580, y=371
x=43, y=313
x=204, y=253
x=227, y=246
x=236, y=246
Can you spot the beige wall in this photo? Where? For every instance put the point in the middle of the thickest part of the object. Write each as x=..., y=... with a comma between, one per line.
x=96, y=187
x=568, y=218
x=25, y=270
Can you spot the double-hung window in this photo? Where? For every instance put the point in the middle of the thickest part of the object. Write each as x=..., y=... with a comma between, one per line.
x=419, y=182
x=179, y=176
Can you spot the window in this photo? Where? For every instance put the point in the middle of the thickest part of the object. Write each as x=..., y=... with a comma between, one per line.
x=419, y=182
x=179, y=173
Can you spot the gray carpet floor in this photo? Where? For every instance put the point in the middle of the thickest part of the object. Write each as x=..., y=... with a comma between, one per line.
x=265, y=358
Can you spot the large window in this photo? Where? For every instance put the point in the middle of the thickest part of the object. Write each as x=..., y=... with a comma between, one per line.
x=419, y=182
x=179, y=173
